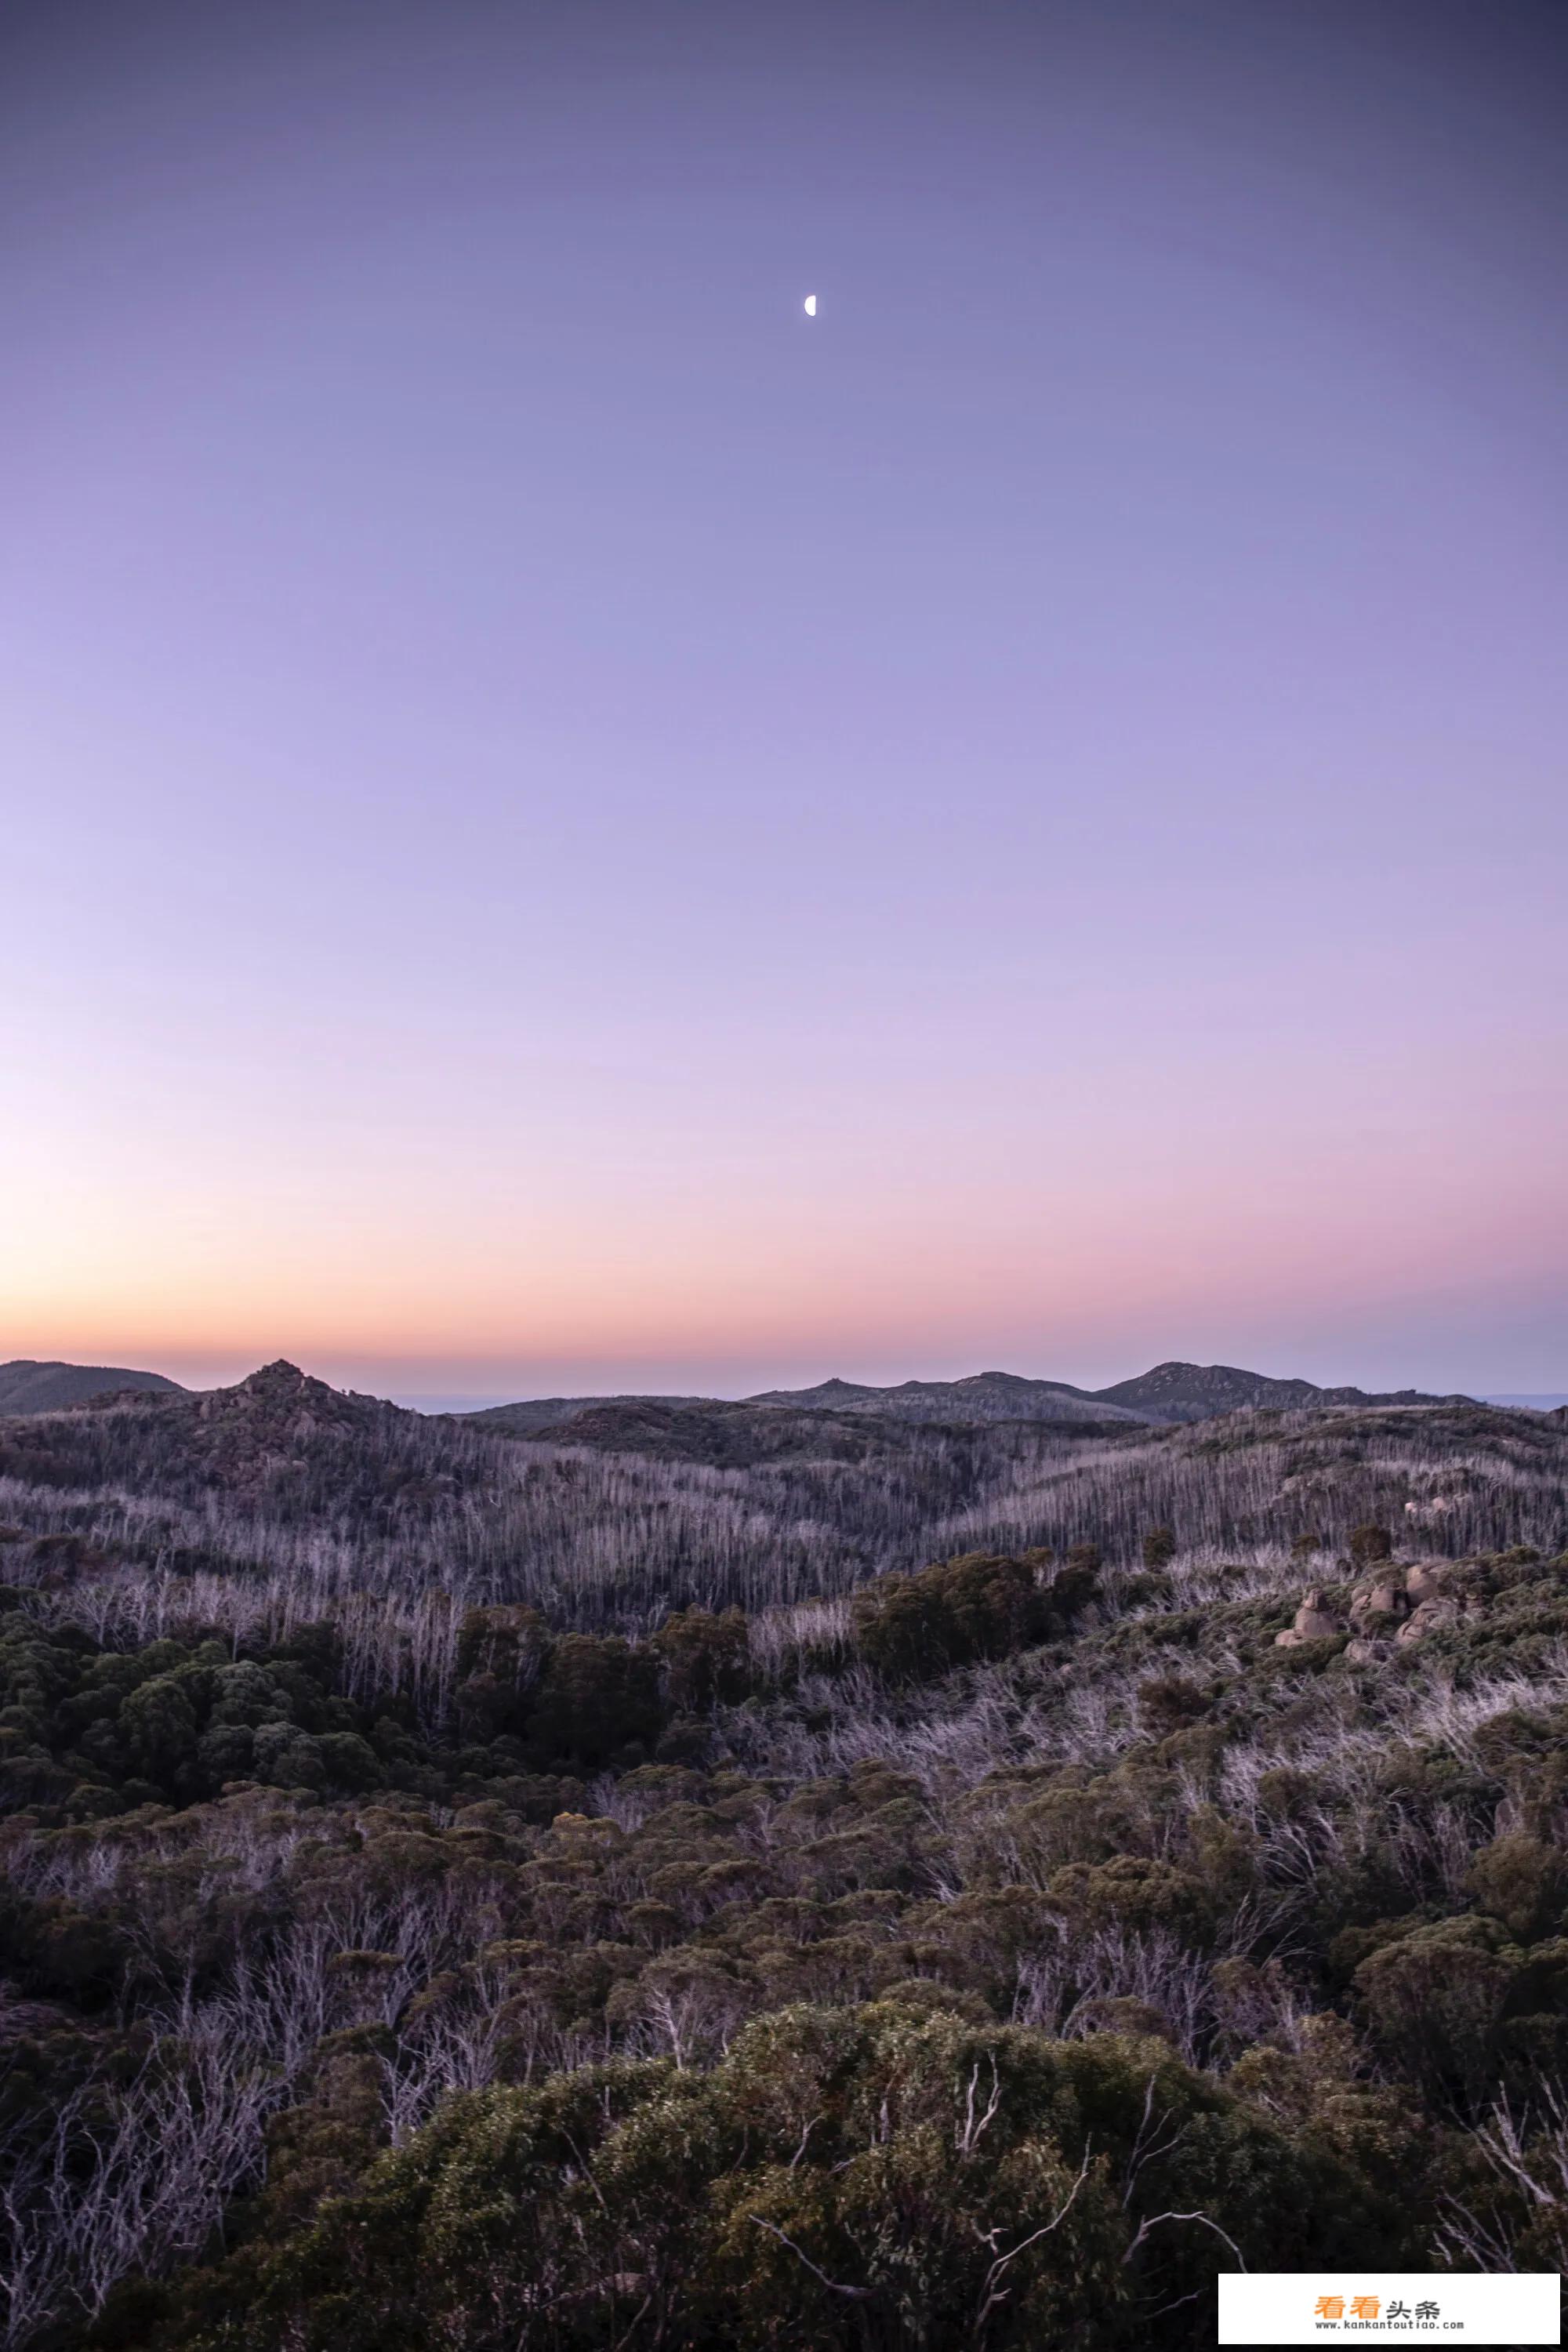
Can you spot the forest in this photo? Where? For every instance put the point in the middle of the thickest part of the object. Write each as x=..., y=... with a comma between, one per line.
x=892, y=1886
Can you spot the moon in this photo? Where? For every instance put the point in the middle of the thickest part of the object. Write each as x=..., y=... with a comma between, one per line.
x=811, y=306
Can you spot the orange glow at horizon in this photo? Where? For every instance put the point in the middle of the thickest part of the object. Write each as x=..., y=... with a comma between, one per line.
x=1043, y=1275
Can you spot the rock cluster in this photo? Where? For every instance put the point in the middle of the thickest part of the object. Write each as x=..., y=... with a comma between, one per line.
x=1405, y=1603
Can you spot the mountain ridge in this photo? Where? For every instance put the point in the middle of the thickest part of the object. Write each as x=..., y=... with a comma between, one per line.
x=978, y=1396
x=1169, y=1393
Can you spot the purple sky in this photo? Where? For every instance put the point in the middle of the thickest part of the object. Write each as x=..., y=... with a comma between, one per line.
x=569, y=826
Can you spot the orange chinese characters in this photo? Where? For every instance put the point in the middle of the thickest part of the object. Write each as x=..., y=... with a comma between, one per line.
x=1363, y=2307
x=1330, y=2307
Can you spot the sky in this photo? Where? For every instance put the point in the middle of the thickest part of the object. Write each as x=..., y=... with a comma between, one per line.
x=570, y=827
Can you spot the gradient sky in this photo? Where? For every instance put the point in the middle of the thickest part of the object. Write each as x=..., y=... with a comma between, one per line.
x=568, y=826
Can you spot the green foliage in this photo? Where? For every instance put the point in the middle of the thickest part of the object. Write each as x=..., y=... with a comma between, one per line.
x=96, y=1732
x=1433, y=1999
x=598, y=1699
x=880, y=2176
x=501, y=1650
x=705, y=1658
x=1171, y=1703
x=1521, y=1881
x=982, y=1605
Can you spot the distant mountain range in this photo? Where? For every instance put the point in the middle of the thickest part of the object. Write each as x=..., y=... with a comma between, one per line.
x=1170, y=1393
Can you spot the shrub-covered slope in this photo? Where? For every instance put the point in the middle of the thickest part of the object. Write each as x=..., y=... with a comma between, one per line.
x=986, y=1957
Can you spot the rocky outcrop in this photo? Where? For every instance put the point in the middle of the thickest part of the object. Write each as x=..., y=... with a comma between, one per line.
x=275, y=1420
x=1395, y=1606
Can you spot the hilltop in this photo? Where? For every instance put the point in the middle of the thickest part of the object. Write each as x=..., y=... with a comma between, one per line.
x=29, y=1387
x=1197, y=1391
x=533, y=1416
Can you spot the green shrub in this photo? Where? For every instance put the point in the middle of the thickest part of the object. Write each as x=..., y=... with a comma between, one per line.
x=980, y=1605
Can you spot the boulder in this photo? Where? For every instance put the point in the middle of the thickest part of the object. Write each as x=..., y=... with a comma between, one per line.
x=1430, y=1617
x=1314, y=1622
x=1383, y=1598
x=1426, y=1579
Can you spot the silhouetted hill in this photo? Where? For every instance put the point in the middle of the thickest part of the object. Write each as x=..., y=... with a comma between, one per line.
x=277, y=1438
x=28, y=1387
x=982, y=1396
x=1170, y=1393
x=1175, y=1393
x=530, y=1416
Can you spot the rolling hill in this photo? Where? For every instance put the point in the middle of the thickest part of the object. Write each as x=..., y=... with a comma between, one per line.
x=614, y=1516
x=1175, y=1393
x=28, y=1387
